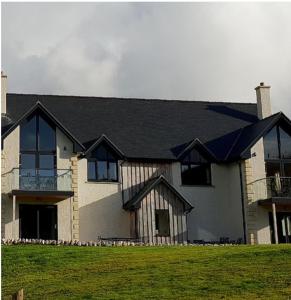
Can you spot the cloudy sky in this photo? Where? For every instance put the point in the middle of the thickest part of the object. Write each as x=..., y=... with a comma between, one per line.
x=195, y=51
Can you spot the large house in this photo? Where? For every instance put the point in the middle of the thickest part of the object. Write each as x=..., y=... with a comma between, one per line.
x=159, y=171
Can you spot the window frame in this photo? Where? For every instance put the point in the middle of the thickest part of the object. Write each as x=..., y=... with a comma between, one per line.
x=108, y=161
x=281, y=161
x=158, y=223
x=198, y=160
x=38, y=152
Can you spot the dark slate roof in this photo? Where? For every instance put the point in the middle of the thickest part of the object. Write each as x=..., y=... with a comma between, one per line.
x=249, y=135
x=134, y=202
x=149, y=129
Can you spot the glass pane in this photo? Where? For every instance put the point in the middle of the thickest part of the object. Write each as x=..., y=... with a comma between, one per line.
x=28, y=177
x=112, y=172
x=197, y=175
x=28, y=164
x=285, y=140
x=102, y=170
x=272, y=168
x=271, y=146
x=162, y=222
x=47, y=136
x=100, y=153
x=28, y=135
x=46, y=162
x=46, y=165
x=91, y=170
x=287, y=169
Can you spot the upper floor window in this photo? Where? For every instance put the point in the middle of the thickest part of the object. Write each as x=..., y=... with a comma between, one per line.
x=37, y=152
x=195, y=170
x=102, y=165
x=37, y=134
x=277, y=148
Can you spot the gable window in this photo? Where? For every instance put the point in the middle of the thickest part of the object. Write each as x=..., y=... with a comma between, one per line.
x=37, y=153
x=162, y=222
x=195, y=170
x=277, y=148
x=102, y=165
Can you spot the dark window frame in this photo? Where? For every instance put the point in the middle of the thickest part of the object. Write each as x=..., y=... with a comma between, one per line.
x=188, y=163
x=157, y=222
x=108, y=161
x=281, y=161
x=38, y=152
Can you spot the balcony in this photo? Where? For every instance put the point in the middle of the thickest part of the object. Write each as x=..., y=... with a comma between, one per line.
x=272, y=188
x=39, y=180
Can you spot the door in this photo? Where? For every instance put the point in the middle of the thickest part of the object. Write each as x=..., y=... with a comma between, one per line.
x=38, y=221
x=283, y=225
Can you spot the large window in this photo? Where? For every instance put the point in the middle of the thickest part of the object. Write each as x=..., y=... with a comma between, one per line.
x=102, y=165
x=195, y=170
x=37, y=151
x=277, y=147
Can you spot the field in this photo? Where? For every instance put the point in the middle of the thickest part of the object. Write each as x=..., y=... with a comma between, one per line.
x=224, y=272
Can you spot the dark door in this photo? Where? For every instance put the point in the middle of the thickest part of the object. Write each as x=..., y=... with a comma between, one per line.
x=38, y=221
x=283, y=226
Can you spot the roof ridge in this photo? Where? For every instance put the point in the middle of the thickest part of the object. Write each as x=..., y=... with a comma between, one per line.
x=132, y=98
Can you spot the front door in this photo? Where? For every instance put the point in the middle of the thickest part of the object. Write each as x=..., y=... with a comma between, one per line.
x=283, y=225
x=38, y=221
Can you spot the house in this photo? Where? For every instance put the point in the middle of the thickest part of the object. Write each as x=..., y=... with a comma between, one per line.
x=81, y=168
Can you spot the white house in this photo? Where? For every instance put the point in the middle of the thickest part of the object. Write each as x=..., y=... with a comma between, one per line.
x=83, y=168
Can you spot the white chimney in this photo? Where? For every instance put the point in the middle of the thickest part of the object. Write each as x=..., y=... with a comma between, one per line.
x=263, y=101
x=3, y=92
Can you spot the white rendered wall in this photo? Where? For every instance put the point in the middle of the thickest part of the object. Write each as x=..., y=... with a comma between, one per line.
x=217, y=209
x=100, y=208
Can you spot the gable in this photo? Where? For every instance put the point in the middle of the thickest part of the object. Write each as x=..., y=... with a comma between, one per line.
x=39, y=108
x=152, y=183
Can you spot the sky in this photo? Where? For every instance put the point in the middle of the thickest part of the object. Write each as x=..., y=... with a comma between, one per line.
x=188, y=51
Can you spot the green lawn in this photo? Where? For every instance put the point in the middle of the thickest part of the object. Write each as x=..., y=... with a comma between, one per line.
x=68, y=272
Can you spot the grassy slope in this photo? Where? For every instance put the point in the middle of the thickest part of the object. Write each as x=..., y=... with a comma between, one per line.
x=240, y=272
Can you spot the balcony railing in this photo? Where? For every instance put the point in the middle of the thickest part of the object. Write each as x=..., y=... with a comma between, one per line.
x=272, y=187
x=39, y=179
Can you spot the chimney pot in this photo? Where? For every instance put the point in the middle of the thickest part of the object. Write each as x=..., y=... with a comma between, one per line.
x=262, y=84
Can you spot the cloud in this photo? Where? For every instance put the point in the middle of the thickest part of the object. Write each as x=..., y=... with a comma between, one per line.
x=195, y=51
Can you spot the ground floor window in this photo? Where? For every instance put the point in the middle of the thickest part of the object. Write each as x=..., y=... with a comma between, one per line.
x=162, y=222
x=38, y=221
x=283, y=227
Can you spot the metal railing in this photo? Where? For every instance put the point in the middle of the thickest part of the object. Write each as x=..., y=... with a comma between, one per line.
x=271, y=187
x=39, y=179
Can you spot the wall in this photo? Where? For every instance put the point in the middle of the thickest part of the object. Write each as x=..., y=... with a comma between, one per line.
x=257, y=218
x=217, y=209
x=134, y=175
x=10, y=160
x=100, y=208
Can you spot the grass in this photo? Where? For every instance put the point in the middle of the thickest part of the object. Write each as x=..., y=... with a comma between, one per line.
x=66, y=272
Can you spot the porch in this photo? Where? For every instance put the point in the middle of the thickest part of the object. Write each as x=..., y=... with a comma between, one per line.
x=38, y=204
x=274, y=194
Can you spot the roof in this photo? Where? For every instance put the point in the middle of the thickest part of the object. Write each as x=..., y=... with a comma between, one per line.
x=134, y=202
x=140, y=128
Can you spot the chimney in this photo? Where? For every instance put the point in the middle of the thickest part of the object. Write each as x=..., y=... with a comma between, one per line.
x=263, y=101
x=3, y=92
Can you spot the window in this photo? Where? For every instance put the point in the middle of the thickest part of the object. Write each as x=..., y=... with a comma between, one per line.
x=195, y=170
x=102, y=165
x=277, y=148
x=37, y=151
x=162, y=222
